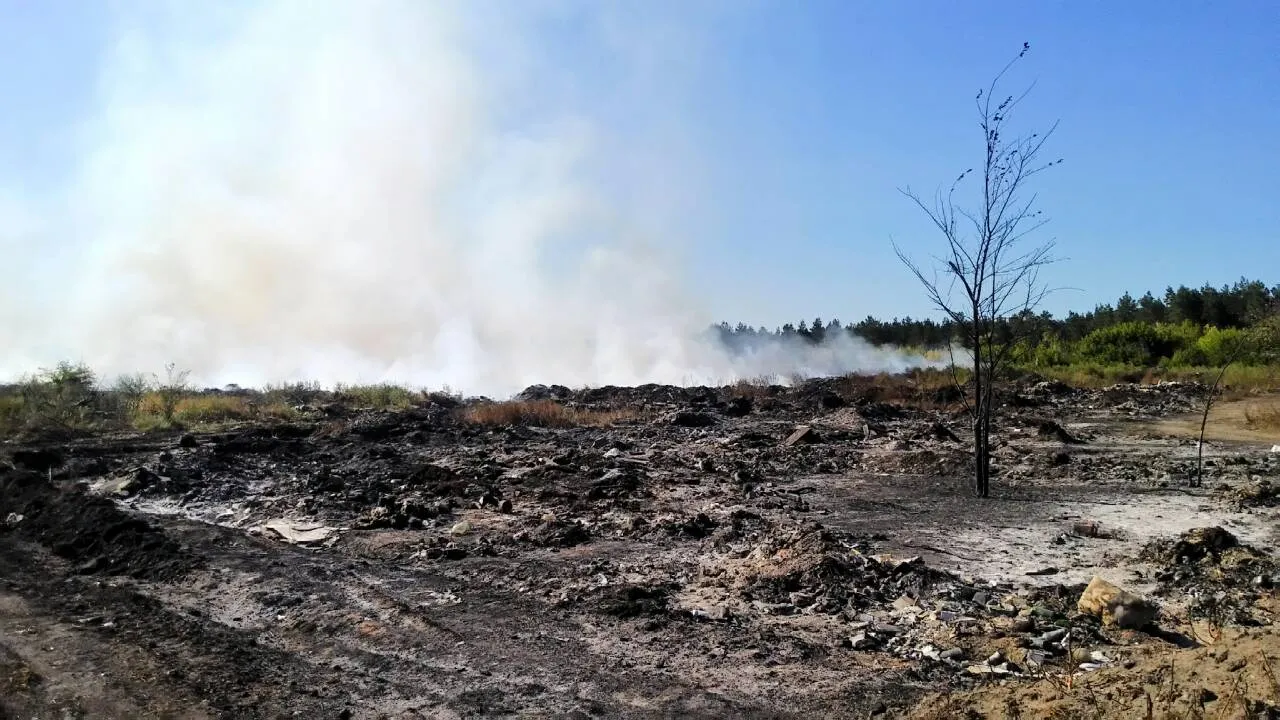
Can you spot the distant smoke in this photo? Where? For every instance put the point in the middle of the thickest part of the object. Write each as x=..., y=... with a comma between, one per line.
x=383, y=190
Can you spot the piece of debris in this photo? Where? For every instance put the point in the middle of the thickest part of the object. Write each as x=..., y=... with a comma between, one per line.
x=802, y=434
x=300, y=533
x=1115, y=606
x=1092, y=529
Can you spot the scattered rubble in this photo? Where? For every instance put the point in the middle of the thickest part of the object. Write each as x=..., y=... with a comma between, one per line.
x=782, y=545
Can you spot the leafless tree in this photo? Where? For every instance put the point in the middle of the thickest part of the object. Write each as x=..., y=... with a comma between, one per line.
x=989, y=271
x=1262, y=341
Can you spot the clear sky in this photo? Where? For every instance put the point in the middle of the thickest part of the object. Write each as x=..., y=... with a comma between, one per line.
x=808, y=116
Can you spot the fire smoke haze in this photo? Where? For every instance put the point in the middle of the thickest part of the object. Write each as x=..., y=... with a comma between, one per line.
x=406, y=191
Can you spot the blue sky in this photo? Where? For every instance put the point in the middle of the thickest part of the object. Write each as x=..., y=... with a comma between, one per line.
x=808, y=117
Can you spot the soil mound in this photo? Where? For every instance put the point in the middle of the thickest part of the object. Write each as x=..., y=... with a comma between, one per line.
x=817, y=566
x=90, y=532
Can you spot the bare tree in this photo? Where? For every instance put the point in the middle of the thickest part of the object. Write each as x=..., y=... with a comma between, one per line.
x=988, y=273
x=1263, y=342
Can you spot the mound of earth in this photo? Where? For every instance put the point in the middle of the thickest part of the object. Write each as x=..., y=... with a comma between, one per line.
x=89, y=531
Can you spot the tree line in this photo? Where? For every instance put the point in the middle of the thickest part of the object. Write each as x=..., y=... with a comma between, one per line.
x=1183, y=326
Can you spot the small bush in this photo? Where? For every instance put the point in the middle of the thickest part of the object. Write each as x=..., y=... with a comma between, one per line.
x=299, y=393
x=1263, y=416
x=59, y=398
x=379, y=397
x=541, y=413
x=171, y=391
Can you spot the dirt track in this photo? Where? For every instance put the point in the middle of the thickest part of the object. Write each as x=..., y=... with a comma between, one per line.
x=686, y=564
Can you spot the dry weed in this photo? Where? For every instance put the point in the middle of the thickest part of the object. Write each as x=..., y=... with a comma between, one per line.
x=208, y=410
x=1263, y=415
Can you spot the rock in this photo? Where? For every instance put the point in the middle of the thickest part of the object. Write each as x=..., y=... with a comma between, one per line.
x=188, y=441
x=504, y=506
x=461, y=528
x=802, y=434
x=1043, y=571
x=1116, y=606
x=1275, y=448
x=952, y=654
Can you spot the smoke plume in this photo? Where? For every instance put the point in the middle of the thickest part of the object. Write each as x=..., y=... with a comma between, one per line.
x=384, y=190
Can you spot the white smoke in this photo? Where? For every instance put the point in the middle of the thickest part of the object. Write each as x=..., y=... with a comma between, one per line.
x=384, y=190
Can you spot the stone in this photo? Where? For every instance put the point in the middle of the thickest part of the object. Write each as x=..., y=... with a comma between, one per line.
x=952, y=654
x=1115, y=606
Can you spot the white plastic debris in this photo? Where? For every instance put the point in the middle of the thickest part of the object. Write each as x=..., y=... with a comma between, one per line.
x=300, y=533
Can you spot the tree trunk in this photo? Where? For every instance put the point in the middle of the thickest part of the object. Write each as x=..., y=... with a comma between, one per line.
x=985, y=458
x=980, y=425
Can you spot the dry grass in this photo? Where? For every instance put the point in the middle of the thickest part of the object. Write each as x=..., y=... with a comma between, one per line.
x=754, y=388
x=208, y=410
x=927, y=389
x=542, y=413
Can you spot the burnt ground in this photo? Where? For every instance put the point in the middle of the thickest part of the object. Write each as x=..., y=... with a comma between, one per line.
x=703, y=559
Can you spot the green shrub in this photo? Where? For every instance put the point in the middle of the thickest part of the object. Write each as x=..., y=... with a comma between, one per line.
x=1137, y=343
x=382, y=397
